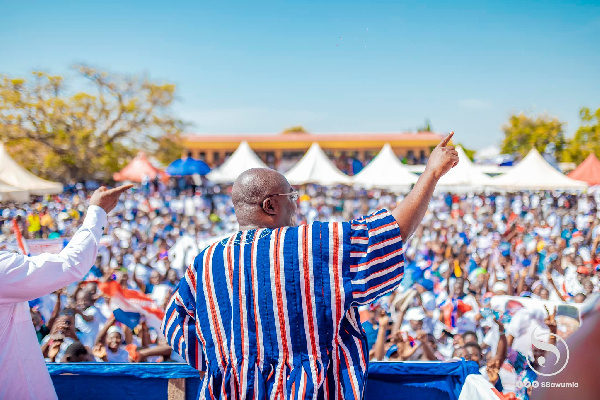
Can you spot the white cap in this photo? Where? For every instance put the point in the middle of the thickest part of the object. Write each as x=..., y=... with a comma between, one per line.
x=500, y=287
x=114, y=329
x=415, y=314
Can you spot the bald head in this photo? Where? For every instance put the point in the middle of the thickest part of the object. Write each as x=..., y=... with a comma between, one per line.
x=254, y=201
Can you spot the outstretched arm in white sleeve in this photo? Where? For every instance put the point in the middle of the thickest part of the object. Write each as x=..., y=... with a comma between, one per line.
x=24, y=278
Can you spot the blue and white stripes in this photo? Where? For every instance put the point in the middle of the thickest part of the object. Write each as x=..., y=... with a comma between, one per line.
x=272, y=313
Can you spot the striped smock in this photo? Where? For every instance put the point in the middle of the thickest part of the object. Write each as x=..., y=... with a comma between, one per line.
x=273, y=313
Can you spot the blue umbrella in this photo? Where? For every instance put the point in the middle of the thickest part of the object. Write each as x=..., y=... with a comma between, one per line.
x=187, y=166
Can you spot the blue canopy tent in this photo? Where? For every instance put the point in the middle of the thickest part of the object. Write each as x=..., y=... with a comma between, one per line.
x=187, y=166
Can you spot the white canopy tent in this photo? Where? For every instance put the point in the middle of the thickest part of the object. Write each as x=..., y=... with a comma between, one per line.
x=534, y=173
x=464, y=177
x=242, y=159
x=11, y=193
x=13, y=174
x=316, y=167
x=386, y=172
x=488, y=169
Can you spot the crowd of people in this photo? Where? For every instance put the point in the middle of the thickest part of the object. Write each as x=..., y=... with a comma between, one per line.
x=471, y=251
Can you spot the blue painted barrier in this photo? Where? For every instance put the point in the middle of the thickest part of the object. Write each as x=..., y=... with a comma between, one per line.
x=387, y=380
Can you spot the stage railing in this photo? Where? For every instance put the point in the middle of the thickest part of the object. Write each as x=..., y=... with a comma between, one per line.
x=147, y=381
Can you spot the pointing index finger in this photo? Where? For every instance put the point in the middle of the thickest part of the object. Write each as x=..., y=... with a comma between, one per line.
x=446, y=140
x=120, y=189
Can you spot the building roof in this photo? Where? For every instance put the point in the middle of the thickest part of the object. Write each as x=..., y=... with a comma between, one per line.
x=373, y=140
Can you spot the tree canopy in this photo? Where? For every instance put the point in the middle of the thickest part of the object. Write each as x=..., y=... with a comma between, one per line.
x=86, y=134
x=587, y=137
x=294, y=129
x=522, y=133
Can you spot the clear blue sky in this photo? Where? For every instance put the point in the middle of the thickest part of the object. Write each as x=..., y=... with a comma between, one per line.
x=331, y=66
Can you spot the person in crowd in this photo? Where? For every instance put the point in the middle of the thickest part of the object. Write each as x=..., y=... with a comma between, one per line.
x=76, y=353
x=110, y=344
x=88, y=318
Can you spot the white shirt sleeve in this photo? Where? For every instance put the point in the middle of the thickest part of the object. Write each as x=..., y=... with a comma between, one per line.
x=24, y=278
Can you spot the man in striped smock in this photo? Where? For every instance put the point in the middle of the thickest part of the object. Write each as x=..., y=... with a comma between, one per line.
x=271, y=312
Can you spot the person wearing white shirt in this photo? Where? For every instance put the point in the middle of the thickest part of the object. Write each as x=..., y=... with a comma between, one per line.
x=89, y=321
x=23, y=373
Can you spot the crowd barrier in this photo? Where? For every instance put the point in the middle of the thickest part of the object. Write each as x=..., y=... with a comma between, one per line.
x=387, y=380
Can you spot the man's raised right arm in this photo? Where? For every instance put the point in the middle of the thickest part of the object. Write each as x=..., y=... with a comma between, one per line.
x=411, y=211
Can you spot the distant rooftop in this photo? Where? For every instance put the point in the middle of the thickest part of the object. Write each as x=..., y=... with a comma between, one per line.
x=308, y=138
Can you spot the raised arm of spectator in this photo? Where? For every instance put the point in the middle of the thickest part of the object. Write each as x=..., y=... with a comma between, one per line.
x=502, y=350
x=55, y=310
x=427, y=350
x=521, y=282
x=532, y=270
x=128, y=333
x=550, y=322
x=398, y=323
x=411, y=210
x=102, y=334
x=379, y=346
x=141, y=285
x=422, y=305
x=553, y=285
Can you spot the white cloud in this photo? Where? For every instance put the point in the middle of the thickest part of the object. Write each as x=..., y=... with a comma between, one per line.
x=477, y=104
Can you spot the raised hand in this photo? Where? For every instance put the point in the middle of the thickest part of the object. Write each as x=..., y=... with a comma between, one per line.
x=421, y=336
x=550, y=320
x=442, y=158
x=53, y=349
x=107, y=199
x=493, y=370
x=99, y=351
x=384, y=320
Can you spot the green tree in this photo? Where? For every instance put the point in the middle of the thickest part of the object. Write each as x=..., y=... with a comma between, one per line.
x=295, y=129
x=169, y=148
x=587, y=137
x=522, y=133
x=83, y=135
x=426, y=127
x=469, y=152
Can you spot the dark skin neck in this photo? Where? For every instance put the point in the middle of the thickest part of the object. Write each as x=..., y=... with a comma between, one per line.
x=250, y=227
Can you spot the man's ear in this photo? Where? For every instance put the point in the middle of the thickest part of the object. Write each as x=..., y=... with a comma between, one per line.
x=268, y=206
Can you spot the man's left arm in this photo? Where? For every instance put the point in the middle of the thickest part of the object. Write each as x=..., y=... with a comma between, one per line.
x=375, y=256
